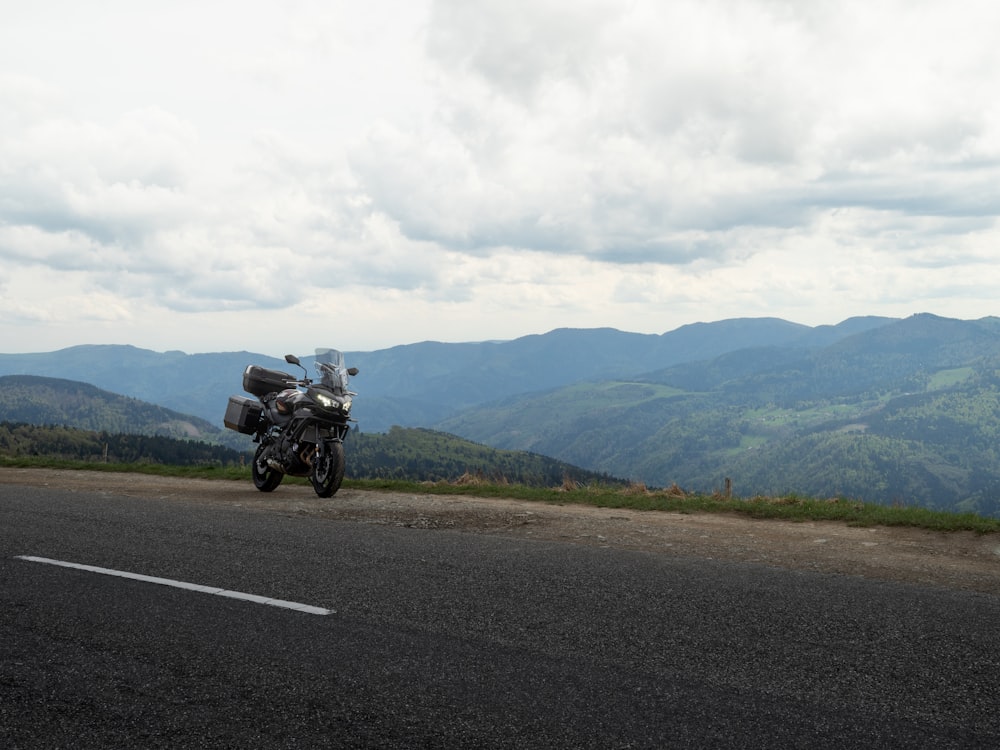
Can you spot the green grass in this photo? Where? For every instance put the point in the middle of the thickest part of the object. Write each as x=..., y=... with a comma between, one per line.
x=637, y=497
x=948, y=378
x=766, y=421
x=162, y=470
x=581, y=399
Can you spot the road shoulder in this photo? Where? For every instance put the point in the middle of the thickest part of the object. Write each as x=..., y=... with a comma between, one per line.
x=957, y=560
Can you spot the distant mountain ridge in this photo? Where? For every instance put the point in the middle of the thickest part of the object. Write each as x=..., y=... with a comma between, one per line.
x=197, y=384
x=421, y=384
x=888, y=410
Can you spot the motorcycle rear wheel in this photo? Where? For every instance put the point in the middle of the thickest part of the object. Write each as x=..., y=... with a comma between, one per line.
x=265, y=478
x=328, y=469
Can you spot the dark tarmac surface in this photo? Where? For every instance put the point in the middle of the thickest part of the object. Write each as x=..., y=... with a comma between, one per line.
x=446, y=639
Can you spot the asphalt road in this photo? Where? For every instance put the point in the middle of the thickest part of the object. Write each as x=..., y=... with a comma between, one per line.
x=439, y=639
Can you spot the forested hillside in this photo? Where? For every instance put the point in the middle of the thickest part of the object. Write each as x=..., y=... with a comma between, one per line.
x=40, y=400
x=67, y=420
x=426, y=455
x=906, y=414
x=403, y=453
x=18, y=440
x=891, y=411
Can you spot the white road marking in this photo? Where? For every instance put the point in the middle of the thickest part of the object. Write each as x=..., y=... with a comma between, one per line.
x=182, y=585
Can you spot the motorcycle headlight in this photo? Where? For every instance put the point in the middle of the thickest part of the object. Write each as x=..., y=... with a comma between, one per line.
x=331, y=403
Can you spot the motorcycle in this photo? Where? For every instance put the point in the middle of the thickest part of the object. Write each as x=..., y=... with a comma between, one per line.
x=300, y=424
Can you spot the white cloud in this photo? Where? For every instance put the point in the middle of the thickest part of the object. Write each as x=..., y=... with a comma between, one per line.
x=620, y=132
x=482, y=170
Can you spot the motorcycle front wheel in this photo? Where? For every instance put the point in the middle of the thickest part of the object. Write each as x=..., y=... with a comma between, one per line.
x=265, y=478
x=328, y=469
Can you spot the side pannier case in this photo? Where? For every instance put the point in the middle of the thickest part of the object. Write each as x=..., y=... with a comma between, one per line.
x=243, y=414
x=260, y=381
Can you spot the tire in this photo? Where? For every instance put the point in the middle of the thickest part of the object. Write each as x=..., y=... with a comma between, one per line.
x=265, y=478
x=328, y=469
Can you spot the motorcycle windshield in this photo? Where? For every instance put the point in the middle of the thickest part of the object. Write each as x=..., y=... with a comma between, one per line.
x=332, y=371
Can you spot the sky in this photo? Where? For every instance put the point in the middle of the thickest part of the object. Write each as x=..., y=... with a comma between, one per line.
x=274, y=177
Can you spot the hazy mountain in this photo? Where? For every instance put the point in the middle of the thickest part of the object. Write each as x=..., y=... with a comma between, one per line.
x=420, y=384
x=458, y=375
x=198, y=384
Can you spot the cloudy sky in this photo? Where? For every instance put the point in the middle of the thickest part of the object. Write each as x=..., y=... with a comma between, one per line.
x=217, y=176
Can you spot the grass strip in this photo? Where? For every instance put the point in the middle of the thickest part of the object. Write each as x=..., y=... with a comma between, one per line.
x=635, y=497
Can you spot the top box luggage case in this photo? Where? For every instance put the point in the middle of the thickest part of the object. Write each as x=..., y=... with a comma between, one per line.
x=260, y=381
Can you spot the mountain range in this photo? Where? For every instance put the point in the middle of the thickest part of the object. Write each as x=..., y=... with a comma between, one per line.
x=425, y=383
x=884, y=409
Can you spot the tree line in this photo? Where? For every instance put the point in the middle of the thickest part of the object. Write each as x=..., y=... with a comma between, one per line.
x=404, y=453
x=18, y=439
